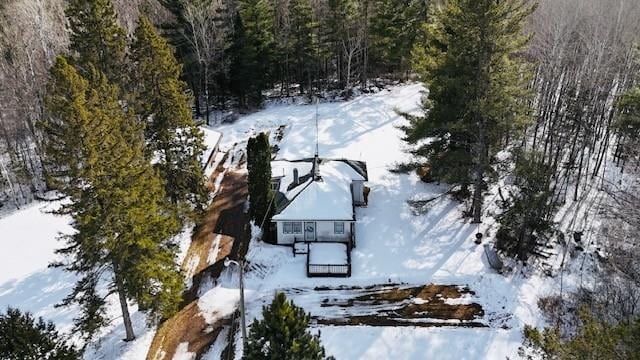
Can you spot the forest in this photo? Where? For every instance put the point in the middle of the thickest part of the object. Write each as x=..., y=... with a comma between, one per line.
x=540, y=97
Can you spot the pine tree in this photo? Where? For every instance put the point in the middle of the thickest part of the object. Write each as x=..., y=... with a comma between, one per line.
x=393, y=32
x=25, y=338
x=171, y=134
x=282, y=334
x=259, y=178
x=124, y=227
x=96, y=38
x=628, y=123
x=594, y=339
x=252, y=51
x=527, y=211
x=477, y=86
x=300, y=47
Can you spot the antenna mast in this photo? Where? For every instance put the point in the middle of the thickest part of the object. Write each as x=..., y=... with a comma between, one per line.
x=317, y=127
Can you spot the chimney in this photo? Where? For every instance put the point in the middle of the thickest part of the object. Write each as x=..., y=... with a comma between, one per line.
x=296, y=179
x=316, y=168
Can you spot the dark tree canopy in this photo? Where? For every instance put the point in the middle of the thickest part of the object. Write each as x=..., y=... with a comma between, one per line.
x=466, y=54
x=22, y=337
x=259, y=178
x=283, y=334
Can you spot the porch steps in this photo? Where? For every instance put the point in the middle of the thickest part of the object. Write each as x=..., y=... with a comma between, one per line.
x=300, y=248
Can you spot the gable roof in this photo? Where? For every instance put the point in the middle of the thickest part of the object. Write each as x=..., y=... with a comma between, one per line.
x=328, y=198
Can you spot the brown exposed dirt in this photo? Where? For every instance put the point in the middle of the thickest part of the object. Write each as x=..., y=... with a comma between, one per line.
x=225, y=216
x=189, y=326
x=385, y=321
x=393, y=305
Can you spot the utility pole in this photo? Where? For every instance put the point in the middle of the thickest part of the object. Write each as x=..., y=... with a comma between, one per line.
x=317, y=133
x=243, y=323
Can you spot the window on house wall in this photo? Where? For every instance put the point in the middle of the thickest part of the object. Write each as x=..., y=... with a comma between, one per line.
x=338, y=227
x=292, y=227
x=275, y=185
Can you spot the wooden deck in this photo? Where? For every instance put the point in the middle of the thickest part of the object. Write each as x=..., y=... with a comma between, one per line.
x=329, y=270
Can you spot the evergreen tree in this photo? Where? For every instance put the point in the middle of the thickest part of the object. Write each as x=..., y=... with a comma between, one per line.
x=300, y=47
x=628, y=123
x=393, y=32
x=341, y=14
x=123, y=225
x=282, y=334
x=252, y=51
x=171, y=134
x=22, y=337
x=594, y=339
x=527, y=212
x=468, y=57
x=259, y=178
x=96, y=38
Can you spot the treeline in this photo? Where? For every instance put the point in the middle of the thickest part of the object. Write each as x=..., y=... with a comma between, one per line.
x=539, y=103
x=533, y=96
x=233, y=53
x=235, y=50
x=121, y=146
x=32, y=34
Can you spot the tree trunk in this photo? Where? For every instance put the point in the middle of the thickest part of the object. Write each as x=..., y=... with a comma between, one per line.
x=478, y=181
x=126, y=318
x=206, y=91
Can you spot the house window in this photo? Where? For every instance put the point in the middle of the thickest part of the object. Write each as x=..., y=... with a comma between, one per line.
x=275, y=185
x=338, y=227
x=292, y=227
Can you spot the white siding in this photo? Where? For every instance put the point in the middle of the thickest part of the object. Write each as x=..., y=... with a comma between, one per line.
x=324, y=232
x=357, y=190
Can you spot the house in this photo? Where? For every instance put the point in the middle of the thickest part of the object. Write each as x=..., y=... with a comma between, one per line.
x=315, y=202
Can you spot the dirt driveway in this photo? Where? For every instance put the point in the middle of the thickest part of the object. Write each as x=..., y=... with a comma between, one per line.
x=224, y=231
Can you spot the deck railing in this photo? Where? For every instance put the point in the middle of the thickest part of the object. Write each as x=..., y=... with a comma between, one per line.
x=328, y=270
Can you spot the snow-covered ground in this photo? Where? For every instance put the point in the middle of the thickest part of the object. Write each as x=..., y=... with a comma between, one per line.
x=28, y=239
x=393, y=245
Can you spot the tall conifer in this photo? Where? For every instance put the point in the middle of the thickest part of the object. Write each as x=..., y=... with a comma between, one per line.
x=300, y=48
x=252, y=51
x=171, y=133
x=259, y=178
x=468, y=58
x=393, y=31
x=123, y=225
x=96, y=37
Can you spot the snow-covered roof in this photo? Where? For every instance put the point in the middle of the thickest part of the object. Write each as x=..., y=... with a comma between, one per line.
x=211, y=141
x=328, y=198
x=283, y=170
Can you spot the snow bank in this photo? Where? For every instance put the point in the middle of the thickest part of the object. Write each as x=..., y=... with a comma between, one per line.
x=218, y=303
x=182, y=352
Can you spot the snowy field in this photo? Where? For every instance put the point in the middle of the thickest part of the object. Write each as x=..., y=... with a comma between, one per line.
x=393, y=245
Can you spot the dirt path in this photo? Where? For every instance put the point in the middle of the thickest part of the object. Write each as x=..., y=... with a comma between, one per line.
x=223, y=232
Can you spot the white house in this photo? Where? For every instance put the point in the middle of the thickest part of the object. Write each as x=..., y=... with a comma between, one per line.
x=315, y=202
